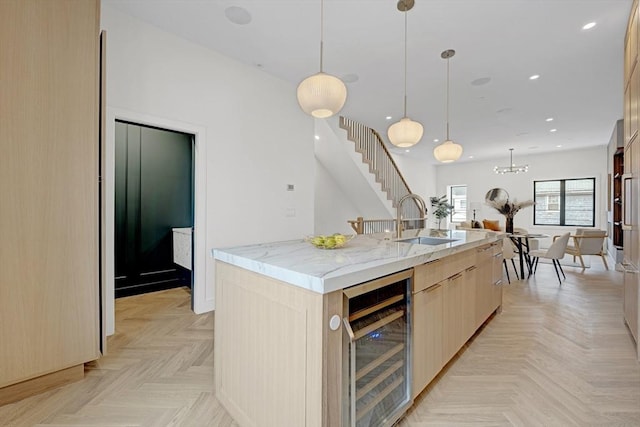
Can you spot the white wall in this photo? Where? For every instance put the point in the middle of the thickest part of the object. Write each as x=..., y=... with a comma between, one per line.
x=420, y=176
x=254, y=137
x=479, y=178
x=345, y=188
x=332, y=206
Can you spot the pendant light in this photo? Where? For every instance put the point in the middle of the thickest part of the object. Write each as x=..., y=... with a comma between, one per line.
x=321, y=95
x=448, y=151
x=406, y=132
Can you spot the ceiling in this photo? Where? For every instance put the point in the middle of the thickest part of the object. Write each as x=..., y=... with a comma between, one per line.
x=499, y=44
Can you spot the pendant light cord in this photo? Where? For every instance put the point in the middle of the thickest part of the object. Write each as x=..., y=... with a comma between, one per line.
x=405, y=63
x=321, y=31
x=447, y=99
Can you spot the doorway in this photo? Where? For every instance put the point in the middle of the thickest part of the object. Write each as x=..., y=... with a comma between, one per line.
x=154, y=194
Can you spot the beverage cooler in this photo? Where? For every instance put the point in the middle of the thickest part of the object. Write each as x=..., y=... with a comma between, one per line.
x=376, y=359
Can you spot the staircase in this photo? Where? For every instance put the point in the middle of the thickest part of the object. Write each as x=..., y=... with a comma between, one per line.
x=374, y=154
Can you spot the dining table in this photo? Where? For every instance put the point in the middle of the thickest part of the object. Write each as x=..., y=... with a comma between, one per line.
x=521, y=240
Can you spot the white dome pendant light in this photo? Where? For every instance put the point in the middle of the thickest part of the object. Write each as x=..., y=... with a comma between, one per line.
x=406, y=132
x=448, y=151
x=321, y=95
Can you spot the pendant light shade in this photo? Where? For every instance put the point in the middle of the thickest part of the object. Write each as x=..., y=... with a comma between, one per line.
x=321, y=95
x=448, y=151
x=406, y=132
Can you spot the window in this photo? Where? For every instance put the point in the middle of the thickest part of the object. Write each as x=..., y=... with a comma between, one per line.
x=569, y=202
x=458, y=198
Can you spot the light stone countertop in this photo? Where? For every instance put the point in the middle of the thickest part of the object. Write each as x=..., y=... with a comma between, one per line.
x=365, y=257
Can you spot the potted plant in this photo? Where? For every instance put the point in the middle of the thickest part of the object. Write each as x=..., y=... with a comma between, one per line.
x=441, y=208
x=509, y=210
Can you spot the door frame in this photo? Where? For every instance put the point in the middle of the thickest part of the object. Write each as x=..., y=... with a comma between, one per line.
x=200, y=301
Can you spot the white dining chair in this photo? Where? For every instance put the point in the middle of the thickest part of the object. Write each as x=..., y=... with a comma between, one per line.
x=555, y=253
x=508, y=252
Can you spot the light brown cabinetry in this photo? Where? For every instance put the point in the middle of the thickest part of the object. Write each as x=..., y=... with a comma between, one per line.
x=49, y=284
x=496, y=278
x=469, y=324
x=489, y=280
x=631, y=179
x=452, y=298
x=272, y=354
x=427, y=336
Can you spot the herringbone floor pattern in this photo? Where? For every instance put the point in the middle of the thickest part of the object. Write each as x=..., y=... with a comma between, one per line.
x=556, y=356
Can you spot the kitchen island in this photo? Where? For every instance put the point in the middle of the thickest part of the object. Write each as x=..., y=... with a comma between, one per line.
x=283, y=335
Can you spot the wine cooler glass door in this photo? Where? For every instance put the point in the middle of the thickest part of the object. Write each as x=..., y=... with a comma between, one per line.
x=377, y=355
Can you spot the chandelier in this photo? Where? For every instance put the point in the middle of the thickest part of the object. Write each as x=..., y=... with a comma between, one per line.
x=512, y=168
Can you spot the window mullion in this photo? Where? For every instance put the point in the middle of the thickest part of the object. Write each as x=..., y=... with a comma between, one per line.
x=562, y=201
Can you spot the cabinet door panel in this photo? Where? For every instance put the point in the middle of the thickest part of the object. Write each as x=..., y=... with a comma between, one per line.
x=484, y=275
x=631, y=303
x=49, y=318
x=453, y=323
x=427, y=336
x=469, y=303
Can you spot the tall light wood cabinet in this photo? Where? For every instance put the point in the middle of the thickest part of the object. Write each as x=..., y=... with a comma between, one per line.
x=49, y=254
x=631, y=178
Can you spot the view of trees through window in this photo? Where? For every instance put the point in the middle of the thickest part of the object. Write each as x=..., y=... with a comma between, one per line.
x=458, y=198
x=565, y=202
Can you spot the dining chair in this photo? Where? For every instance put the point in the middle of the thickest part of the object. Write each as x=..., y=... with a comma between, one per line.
x=508, y=252
x=532, y=242
x=555, y=253
x=588, y=242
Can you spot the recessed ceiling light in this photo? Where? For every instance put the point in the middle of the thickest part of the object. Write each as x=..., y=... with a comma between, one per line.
x=388, y=117
x=238, y=15
x=553, y=130
x=436, y=140
x=549, y=119
x=471, y=157
x=406, y=151
x=534, y=77
x=317, y=137
x=589, y=26
x=558, y=146
x=481, y=81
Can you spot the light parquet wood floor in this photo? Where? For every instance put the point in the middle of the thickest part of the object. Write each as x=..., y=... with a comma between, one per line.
x=555, y=356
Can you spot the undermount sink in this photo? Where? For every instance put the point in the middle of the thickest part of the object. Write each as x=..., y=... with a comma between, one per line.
x=427, y=240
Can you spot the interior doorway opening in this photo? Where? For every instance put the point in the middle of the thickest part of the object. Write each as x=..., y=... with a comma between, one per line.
x=154, y=209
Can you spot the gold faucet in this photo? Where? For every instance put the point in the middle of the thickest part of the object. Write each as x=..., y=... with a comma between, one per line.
x=421, y=204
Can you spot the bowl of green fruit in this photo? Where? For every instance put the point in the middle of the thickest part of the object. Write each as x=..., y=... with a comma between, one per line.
x=333, y=241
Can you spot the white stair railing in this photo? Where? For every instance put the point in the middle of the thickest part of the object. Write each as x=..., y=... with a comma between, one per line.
x=374, y=153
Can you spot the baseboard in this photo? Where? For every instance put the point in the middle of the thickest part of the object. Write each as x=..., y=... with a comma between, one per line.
x=37, y=385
